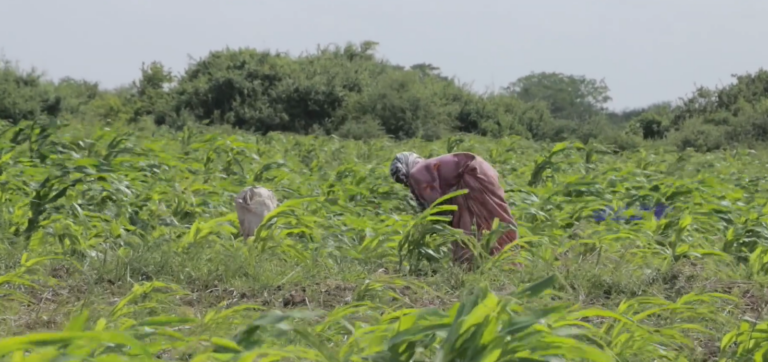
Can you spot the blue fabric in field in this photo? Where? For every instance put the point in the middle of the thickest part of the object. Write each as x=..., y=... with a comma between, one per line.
x=658, y=212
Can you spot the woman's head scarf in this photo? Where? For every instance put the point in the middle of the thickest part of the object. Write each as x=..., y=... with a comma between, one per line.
x=402, y=165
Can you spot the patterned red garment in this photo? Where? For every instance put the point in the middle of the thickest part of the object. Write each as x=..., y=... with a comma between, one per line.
x=433, y=178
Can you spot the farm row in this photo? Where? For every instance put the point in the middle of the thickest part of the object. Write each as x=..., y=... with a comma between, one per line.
x=121, y=241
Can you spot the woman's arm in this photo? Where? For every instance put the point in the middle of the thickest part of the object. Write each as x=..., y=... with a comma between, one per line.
x=425, y=182
x=421, y=204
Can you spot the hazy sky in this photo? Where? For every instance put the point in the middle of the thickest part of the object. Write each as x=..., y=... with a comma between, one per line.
x=647, y=50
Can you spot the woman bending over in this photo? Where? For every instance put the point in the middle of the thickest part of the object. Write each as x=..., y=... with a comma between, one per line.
x=430, y=179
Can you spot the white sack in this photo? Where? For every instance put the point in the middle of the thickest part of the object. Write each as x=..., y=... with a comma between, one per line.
x=252, y=205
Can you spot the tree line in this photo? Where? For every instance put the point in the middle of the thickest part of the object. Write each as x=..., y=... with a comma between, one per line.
x=349, y=92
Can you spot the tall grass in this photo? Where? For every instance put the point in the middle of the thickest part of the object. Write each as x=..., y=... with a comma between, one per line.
x=121, y=242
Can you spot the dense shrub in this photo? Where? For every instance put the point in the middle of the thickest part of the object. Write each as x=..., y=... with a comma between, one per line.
x=349, y=92
x=25, y=95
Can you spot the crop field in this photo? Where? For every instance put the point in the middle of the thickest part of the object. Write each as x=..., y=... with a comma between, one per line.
x=120, y=242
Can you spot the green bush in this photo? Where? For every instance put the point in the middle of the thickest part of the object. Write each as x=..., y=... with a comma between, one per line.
x=350, y=92
x=25, y=95
x=699, y=136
